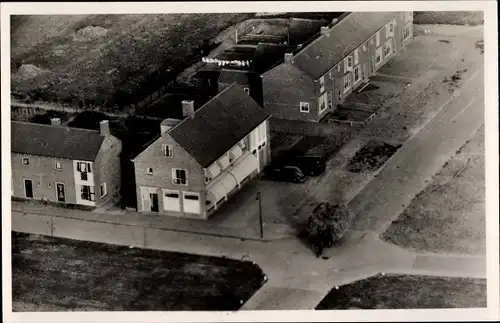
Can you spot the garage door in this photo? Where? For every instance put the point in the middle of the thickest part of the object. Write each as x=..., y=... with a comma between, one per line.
x=171, y=200
x=191, y=202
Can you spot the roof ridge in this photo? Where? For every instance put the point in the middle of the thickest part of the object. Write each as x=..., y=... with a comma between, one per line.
x=53, y=126
x=204, y=105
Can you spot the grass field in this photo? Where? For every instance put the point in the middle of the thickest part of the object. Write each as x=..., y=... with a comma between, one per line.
x=471, y=18
x=107, y=58
x=449, y=214
x=407, y=292
x=54, y=274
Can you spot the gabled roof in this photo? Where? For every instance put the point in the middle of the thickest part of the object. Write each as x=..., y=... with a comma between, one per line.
x=55, y=141
x=218, y=125
x=348, y=34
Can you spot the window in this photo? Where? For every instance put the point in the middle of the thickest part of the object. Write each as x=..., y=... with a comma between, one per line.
x=388, y=48
x=247, y=90
x=84, y=176
x=406, y=33
x=103, y=190
x=389, y=30
x=167, y=150
x=58, y=165
x=321, y=84
x=346, y=82
x=377, y=38
x=372, y=41
x=357, y=75
x=349, y=61
x=378, y=56
x=356, y=57
x=243, y=144
x=338, y=68
x=179, y=176
x=364, y=47
x=88, y=193
x=26, y=161
x=304, y=107
x=172, y=195
x=149, y=171
x=322, y=103
x=391, y=27
x=348, y=64
x=83, y=167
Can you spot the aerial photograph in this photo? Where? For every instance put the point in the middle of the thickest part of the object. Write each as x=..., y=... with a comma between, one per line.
x=248, y=161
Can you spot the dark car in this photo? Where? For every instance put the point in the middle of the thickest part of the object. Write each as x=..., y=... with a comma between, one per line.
x=311, y=165
x=286, y=174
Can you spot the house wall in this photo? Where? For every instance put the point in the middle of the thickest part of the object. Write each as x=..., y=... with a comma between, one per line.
x=44, y=177
x=108, y=169
x=162, y=178
x=284, y=87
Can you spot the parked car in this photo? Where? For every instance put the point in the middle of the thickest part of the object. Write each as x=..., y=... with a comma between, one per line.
x=286, y=174
x=312, y=165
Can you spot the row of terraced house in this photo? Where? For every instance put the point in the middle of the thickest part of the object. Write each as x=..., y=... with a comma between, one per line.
x=200, y=160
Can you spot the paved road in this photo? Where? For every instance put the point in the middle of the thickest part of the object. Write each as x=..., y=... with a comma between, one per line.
x=408, y=171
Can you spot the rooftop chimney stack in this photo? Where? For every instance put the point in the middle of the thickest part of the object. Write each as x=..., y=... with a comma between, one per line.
x=325, y=31
x=188, y=108
x=334, y=21
x=104, y=127
x=55, y=121
x=288, y=57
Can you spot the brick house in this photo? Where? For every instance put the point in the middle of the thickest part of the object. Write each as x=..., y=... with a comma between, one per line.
x=65, y=165
x=311, y=81
x=199, y=162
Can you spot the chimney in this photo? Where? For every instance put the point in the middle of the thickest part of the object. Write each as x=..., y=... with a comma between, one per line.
x=288, y=57
x=325, y=31
x=188, y=108
x=55, y=121
x=104, y=126
x=334, y=21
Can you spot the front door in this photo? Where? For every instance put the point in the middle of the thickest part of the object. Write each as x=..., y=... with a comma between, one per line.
x=365, y=71
x=154, y=202
x=28, y=188
x=61, y=195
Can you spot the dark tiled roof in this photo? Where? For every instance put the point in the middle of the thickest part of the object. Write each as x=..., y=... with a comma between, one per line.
x=348, y=34
x=234, y=76
x=55, y=141
x=218, y=125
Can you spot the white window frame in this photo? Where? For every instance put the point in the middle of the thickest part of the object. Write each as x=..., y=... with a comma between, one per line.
x=91, y=193
x=27, y=161
x=357, y=69
x=406, y=33
x=325, y=95
x=377, y=39
x=304, y=107
x=242, y=144
x=388, y=48
x=389, y=29
x=149, y=171
x=103, y=190
x=356, y=56
x=322, y=84
x=176, y=180
x=346, y=80
x=378, y=53
x=348, y=64
x=56, y=163
x=167, y=150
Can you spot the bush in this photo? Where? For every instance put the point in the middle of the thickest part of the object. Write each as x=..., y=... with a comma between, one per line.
x=327, y=225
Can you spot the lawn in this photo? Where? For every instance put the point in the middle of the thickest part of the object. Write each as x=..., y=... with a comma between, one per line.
x=407, y=292
x=54, y=274
x=449, y=214
x=449, y=17
x=107, y=58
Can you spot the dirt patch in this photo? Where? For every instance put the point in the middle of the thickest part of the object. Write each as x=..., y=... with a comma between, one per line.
x=96, y=276
x=407, y=292
x=371, y=157
x=449, y=214
x=29, y=71
x=471, y=18
x=453, y=81
x=90, y=33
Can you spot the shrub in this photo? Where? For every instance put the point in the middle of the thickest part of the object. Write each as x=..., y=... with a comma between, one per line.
x=328, y=224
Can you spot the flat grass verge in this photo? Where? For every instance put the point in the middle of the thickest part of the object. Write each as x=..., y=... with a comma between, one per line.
x=55, y=274
x=449, y=214
x=407, y=292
